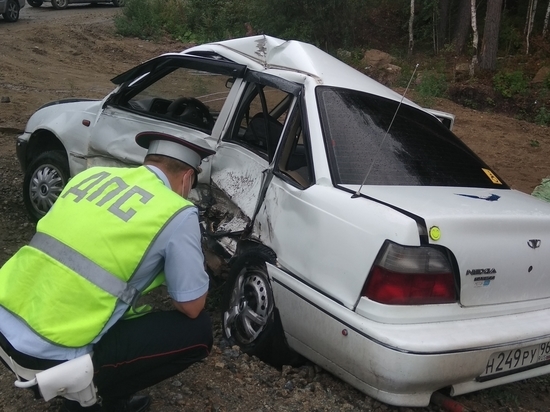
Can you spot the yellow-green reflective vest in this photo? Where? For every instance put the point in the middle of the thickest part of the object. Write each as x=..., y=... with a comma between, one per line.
x=66, y=283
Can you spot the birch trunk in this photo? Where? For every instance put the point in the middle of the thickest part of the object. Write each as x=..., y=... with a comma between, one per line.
x=411, y=21
x=530, y=19
x=473, y=63
x=545, y=28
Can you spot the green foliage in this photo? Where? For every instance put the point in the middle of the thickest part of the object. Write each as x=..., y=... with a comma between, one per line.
x=425, y=11
x=432, y=84
x=510, y=37
x=510, y=84
x=472, y=104
x=543, y=117
x=141, y=18
x=314, y=21
x=187, y=20
x=406, y=73
x=350, y=26
x=320, y=22
x=211, y=20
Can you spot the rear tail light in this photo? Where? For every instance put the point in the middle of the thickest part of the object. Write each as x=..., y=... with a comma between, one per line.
x=404, y=275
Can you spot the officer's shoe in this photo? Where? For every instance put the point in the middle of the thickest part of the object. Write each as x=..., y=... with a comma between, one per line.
x=136, y=403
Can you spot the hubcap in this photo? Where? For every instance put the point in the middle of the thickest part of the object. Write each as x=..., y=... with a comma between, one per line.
x=250, y=306
x=46, y=185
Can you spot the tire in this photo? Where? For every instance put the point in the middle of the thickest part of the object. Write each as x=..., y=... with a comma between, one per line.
x=249, y=316
x=12, y=11
x=60, y=4
x=118, y=3
x=35, y=3
x=44, y=180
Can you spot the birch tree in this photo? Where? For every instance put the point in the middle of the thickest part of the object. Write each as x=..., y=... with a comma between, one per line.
x=529, y=22
x=473, y=63
x=545, y=28
x=411, y=21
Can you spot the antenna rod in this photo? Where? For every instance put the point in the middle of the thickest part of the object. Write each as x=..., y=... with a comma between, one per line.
x=358, y=193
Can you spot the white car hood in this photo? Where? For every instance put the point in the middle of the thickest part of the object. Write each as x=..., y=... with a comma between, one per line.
x=500, y=238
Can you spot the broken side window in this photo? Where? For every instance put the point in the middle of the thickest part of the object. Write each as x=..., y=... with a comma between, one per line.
x=295, y=160
x=187, y=96
x=260, y=119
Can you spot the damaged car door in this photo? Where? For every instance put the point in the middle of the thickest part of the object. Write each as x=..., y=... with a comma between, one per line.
x=172, y=94
x=243, y=165
x=262, y=164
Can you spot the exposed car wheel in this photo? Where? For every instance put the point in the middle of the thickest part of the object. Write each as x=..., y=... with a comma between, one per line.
x=118, y=3
x=250, y=318
x=35, y=3
x=12, y=11
x=44, y=180
x=60, y=4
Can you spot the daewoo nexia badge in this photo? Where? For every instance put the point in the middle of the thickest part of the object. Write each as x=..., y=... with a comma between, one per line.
x=477, y=272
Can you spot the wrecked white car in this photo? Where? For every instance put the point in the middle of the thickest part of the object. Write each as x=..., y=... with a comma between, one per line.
x=363, y=234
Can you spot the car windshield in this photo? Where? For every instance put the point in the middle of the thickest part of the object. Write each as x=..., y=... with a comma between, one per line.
x=417, y=150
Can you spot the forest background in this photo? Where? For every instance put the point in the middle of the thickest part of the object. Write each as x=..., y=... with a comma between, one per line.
x=484, y=54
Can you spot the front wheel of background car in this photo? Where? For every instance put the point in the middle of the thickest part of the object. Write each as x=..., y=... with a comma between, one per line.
x=60, y=4
x=44, y=180
x=35, y=3
x=12, y=11
x=249, y=316
x=118, y=3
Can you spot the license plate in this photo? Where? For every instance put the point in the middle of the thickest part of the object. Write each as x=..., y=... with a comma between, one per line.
x=515, y=360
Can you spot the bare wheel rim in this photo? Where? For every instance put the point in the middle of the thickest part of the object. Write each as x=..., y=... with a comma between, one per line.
x=250, y=306
x=45, y=186
x=12, y=10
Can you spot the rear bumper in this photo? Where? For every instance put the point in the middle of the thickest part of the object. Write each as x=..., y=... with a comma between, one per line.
x=392, y=376
x=399, y=378
x=402, y=364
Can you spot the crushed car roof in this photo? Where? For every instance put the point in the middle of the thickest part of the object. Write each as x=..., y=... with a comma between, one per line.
x=272, y=54
x=292, y=60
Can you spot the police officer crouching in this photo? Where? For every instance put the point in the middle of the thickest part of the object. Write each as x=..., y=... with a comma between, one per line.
x=113, y=233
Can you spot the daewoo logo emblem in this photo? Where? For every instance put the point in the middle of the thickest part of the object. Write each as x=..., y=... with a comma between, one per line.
x=533, y=243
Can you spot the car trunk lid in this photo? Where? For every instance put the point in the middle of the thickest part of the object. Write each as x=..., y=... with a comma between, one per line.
x=500, y=238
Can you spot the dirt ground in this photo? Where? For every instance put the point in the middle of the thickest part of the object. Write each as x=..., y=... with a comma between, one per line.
x=51, y=54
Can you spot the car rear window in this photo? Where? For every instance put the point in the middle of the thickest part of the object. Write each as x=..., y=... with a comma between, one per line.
x=417, y=150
